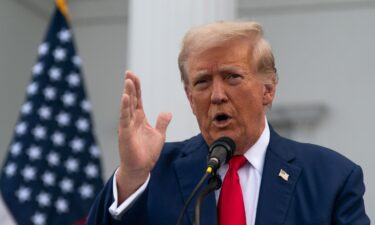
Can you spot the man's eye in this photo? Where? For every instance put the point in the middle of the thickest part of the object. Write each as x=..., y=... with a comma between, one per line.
x=233, y=78
x=200, y=82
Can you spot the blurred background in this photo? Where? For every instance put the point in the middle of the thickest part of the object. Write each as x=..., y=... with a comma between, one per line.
x=324, y=52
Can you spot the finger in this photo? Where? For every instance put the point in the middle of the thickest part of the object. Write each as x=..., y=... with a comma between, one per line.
x=130, y=91
x=127, y=110
x=163, y=121
x=137, y=84
x=125, y=115
x=134, y=79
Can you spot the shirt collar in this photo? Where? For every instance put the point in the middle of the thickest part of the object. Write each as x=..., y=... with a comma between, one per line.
x=256, y=153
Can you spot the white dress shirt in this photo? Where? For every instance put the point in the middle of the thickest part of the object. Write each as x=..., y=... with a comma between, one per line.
x=250, y=178
x=250, y=175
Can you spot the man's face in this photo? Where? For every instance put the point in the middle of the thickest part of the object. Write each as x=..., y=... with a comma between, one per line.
x=225, y=94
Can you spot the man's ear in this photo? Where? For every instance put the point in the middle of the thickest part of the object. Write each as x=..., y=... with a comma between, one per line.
x=269, y=93
x=190, y=98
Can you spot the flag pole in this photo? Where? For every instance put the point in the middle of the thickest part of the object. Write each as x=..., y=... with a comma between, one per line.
x=63, y=8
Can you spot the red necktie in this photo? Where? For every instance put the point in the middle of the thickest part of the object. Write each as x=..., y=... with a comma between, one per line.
x=231, y=209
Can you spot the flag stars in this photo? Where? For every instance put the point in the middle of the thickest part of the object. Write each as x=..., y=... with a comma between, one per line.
x=37, y=69
x=52, y=153
x=39, y=132
x=76, y=60
x=63, y=119
x=59, y=54
x=71, y=165
x=44, y=112
x=55, y=73
x=28, y=173
x=26, y=108
x=73, y=80
x=21, y=128
x=61, y=205
x=68, y=99
x=43, y=49
x=64, y=35
x=32, y=88
x=15, y=149
x=34, y=152
x=48, y=178
x=39, y=218
x=10, y=169
x=94, y=151
x=66, y=185
x=49, y=93
x=91, y=171
x=23, y=194
x=86, y=191
x=43, y=199
x=82, y=124
x=53, y=159
x=77, y=144
x=58, y=138
x=86, y=105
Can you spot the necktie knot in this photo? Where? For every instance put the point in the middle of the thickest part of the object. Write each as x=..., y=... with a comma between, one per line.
x=237, y=162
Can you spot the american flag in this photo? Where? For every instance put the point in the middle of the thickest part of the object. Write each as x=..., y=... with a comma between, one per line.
x=52, y=172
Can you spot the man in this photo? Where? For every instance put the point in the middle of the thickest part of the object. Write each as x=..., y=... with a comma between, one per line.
x=229, y=76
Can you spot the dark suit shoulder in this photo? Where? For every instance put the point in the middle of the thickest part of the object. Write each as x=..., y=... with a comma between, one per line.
x=325, y=172
x=172, y=150
x=325, y=180
x=319, y=165
x=312, y=155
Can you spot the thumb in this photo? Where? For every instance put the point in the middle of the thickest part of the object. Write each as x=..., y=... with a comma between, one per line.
x=162, y=122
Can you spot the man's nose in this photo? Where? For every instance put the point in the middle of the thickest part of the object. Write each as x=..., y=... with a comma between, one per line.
x=218, y=94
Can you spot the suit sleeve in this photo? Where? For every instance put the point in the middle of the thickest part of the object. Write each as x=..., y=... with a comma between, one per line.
x=350, y=208
x=100, y=215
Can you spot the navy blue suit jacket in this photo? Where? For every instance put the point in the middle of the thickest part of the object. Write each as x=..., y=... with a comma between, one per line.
x=323, y=188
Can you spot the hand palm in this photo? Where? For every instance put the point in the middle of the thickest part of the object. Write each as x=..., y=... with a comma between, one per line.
x=139, y=143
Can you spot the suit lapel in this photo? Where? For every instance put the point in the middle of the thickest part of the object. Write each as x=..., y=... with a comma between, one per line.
x=189, y=170
x=275, y=192
x=278, y=181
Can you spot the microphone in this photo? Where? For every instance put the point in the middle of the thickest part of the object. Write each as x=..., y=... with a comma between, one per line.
x=220, y=151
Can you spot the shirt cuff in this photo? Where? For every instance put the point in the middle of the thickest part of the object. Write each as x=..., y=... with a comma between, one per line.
x=118, y=210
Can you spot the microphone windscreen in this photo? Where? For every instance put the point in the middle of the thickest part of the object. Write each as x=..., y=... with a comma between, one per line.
x=226, y=143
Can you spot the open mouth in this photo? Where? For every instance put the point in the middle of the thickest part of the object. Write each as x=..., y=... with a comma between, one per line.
x=221, y=119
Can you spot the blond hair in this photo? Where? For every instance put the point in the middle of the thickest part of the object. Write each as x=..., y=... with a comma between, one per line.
x=202, y=38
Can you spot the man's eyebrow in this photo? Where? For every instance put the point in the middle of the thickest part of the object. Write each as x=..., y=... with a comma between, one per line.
x=230, y=68
x=201, y=73
x=204, y=74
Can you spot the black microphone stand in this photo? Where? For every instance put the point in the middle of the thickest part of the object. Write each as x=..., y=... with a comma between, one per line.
x=214, y=183
x=220, y=151
x=191, y=196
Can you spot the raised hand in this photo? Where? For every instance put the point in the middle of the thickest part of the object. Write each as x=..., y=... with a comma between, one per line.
x=139, y=143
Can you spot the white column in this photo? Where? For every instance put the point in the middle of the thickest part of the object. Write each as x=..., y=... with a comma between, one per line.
x=156, y=29
x=5, y=216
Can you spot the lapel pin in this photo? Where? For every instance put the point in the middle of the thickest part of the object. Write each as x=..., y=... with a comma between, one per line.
x=284, y=175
